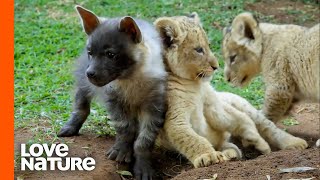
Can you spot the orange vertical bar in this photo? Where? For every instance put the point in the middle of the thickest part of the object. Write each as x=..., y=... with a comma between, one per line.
x=6, y=88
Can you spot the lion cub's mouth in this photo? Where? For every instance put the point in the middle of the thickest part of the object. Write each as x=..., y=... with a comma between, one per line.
x=243, y=81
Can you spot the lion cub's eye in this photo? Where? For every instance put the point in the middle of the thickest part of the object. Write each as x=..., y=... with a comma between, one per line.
x=232, y=58
x=199, y=50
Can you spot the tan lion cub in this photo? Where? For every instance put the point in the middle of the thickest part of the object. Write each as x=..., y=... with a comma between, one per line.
x=199, y=121
x=286, y=55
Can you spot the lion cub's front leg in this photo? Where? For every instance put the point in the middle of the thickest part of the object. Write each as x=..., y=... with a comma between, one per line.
x=186, y=141
x=269, y=131
x=207, y=159
x=277, y=101
x=231, y=151
x=244, y=127
x=227, y=118
x=276, y=136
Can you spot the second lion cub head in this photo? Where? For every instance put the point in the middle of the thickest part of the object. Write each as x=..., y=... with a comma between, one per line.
x=242, y=48
x=186, y=47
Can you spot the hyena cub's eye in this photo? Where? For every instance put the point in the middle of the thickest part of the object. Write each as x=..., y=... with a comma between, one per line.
x=110, y=55
x=89, y=52
x=232, y=58
x=199, y=50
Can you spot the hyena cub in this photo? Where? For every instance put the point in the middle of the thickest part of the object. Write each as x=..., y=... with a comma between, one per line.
x=122, y=64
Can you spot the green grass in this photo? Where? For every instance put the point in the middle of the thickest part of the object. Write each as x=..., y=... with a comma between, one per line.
x=290, y=122
x=49, y=37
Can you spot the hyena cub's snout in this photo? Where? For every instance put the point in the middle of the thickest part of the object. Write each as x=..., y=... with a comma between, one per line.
x=91, y=74
x=96, y=77
x=99, y=75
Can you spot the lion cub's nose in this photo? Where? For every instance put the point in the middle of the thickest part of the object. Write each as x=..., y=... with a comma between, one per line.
x=213, y=63
x=214, y=67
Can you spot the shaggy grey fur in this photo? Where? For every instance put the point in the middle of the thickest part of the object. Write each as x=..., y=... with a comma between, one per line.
x=126, y=72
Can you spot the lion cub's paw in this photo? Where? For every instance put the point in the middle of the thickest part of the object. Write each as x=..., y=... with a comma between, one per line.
x=232, y=154
x=264, y=147
x=318, y=143
x=294, y=143
x=259, y=143
x=207, y=159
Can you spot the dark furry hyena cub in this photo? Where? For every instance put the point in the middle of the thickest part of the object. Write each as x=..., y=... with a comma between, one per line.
x=122, y=64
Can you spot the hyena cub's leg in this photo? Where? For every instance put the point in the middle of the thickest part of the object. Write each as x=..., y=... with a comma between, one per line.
x=126, y=126
x=151, y=119
x=79, y=115
x=122, y=150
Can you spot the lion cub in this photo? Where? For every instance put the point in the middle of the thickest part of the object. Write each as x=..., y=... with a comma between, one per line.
x=198, y=120
x=286, y=55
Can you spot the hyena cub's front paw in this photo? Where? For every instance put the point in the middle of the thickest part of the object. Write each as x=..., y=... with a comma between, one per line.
x=73, y=126
x=68, y=130
x=294, y=143
x=207, y=159
x=142, y=169
x=121, y=152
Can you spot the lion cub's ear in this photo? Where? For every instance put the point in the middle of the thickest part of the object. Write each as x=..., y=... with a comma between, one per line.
x=245, y=31
x=195, y=17
x=245, y=27
x=89, y=20
x=169, y=31
x=226, y=30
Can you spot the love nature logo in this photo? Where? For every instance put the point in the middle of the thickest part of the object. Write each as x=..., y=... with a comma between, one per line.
x=56, y=158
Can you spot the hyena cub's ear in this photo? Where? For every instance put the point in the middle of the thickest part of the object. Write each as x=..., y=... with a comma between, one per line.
x=169, y=31
x=245, y=27
x=129, y=26
x=89, y=20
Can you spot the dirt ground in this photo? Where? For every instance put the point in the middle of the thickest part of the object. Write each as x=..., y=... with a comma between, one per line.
x=170, y=165
x=258, y=168
x=286, y=12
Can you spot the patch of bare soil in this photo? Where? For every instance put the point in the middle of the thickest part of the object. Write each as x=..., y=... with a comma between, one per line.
x=287, y=11
x=79, y=146
x=308, y=116
x=170, y=165
x=167, y=164
x=260, y=167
